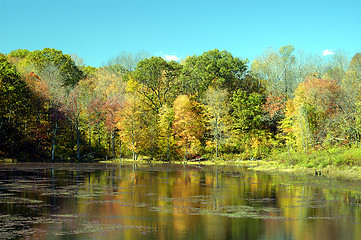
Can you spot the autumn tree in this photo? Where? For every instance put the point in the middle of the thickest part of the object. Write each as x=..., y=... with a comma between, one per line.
x=280, y=71
x=110, y=88
x=157, y=84
x=73, y=106
x=129, y=123
x=111, y=107
x=312, y=116
x=188, y=126
x=37, y=121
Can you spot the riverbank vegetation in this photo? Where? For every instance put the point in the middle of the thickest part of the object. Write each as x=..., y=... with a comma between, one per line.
x=286, y=106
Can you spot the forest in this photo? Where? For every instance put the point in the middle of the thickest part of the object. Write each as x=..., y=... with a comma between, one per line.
x=213, y=105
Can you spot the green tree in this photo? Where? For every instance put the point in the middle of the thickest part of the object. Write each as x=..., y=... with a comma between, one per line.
x=19, y=53
x=213, y=68
x=248, y=133
x=158, y=81
x=64, y=62
x=14, y=106
x=165, y=123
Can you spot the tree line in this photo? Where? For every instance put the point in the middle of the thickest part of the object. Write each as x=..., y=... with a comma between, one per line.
x=214, y=105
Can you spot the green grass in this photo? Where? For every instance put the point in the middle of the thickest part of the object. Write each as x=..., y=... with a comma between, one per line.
x=338, y=163
x=336, y=157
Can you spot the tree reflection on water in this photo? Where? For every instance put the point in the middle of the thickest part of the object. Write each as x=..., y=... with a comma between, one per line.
x=172, y=202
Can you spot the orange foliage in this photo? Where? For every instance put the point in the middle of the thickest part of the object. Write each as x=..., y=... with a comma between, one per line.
x=321, y=93
x=38, y=86
x=275, y=104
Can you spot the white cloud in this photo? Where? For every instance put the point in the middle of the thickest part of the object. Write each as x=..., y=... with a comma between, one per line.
x=171, y=57
x=327, y=52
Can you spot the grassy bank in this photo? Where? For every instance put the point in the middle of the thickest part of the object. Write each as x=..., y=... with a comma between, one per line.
x=336, y=163
x=340, y=163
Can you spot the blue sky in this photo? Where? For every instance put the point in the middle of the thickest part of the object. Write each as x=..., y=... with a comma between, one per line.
x=99, y=30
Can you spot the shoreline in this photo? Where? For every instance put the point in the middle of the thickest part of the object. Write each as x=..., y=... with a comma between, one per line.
x=270, y=167
x=344, y=173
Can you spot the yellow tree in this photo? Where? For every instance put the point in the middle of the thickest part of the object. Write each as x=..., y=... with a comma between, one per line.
x=130, y=120
x=188, y=126
x=215, y=101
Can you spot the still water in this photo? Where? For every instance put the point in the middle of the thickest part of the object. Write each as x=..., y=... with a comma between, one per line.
x=94, y=201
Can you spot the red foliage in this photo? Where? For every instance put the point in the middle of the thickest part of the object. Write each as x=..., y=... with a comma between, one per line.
x=95, y=109
x=109, y=108
x=275, y=104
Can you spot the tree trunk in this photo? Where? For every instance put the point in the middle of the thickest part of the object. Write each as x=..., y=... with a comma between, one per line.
x=133, y=145
x=151, y=153
x=90, y=138
x=217, y=138
x=120, y=151
x=134, y=156
x=185, y=156
x=37, y=134
x=98, y=133
x=1, y=130
x=54, y=137
x=77, y=140
x=113, y=143
x=168, y=148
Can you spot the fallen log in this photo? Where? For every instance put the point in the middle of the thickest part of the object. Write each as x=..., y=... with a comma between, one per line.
x=200, y=159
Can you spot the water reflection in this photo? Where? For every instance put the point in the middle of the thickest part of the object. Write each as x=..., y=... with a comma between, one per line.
x=41, y=201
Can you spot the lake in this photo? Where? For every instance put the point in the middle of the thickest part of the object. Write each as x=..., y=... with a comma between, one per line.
x=103, y=201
